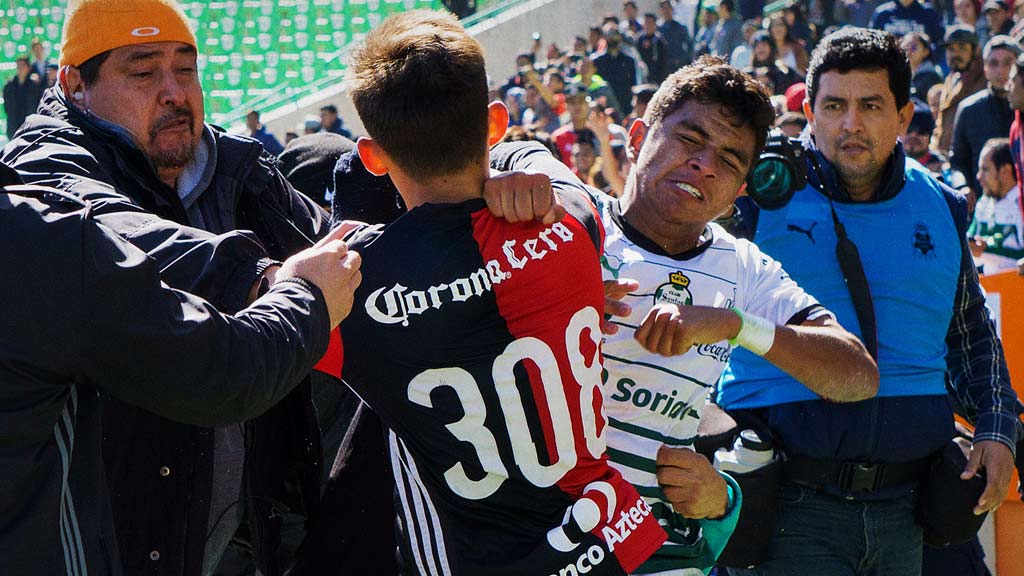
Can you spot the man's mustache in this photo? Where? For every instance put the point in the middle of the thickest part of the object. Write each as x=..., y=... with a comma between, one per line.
x=172, y=117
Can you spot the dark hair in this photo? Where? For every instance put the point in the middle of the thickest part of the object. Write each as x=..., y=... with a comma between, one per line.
x=24, y=59
x=90, y=69
x=710, y=80
x=790, y=38
x=1000, y=152
x=728, y=5
x=420, y=86
x=254, y=113
x=644, y=92
x=331, y=108
x=629, y=3
x=861, y=49
x=651, y=15
x=587, y=136
x=763, y=36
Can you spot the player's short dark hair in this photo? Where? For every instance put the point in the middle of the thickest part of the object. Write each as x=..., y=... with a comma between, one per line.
x=710, y=80
x=420, y=86
x=861, y=49
x=1000, y=152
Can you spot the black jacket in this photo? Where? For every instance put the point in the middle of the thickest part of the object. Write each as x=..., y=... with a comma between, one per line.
x=88, y=316
x=980, y=116
x=161, y=519
x=20, y=100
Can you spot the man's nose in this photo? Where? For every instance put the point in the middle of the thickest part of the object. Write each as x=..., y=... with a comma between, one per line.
x=171, y=90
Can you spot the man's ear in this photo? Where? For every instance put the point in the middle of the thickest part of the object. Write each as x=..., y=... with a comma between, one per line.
x=70, y=80
x=637, y=135
x=497, y=122
x=373, y=156
x=906, y=115
x=808, y=112
x=742, y=191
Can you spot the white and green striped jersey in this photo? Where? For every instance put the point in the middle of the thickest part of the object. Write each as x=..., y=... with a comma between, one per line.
x=998, y=221
x=651, y=400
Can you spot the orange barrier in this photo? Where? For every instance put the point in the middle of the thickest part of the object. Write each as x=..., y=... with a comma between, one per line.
x=1006, y=298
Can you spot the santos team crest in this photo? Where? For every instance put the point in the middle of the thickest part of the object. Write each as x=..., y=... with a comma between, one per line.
x=675, y=291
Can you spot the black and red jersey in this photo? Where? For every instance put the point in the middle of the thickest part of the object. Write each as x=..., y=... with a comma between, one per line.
x=477, y=342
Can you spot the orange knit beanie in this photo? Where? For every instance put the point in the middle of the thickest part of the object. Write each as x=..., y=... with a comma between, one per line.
x=92, y=27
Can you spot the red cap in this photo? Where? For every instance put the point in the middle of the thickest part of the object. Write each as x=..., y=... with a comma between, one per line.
x=795, y=95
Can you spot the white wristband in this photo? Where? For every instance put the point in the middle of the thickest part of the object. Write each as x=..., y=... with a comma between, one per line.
x=756, y=334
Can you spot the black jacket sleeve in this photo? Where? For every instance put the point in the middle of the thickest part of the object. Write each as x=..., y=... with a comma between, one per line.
x=173, y=354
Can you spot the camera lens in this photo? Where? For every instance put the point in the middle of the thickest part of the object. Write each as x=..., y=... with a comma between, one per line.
x=771, y=182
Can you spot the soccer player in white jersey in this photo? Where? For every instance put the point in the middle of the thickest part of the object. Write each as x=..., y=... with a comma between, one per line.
x=700, y=292
x=690, y=292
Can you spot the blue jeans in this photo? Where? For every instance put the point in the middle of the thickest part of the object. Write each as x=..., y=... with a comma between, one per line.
x=828, y=536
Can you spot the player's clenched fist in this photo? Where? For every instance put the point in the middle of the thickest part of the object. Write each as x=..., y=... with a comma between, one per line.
x=332, y=267
x=669, y=329
x=693, y=487
x=522, y=197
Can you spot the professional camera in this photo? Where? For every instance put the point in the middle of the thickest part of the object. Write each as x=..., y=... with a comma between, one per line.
x=780, y=171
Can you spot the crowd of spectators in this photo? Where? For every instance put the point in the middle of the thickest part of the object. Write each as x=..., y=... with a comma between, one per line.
x=585, y=96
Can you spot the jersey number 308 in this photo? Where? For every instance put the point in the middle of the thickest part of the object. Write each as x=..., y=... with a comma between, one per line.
x=470, y=428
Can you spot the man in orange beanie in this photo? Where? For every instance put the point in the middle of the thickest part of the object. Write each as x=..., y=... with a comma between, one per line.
x=124, y=129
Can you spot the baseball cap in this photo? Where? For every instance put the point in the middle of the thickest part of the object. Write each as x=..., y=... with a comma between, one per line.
x=960, y=33
x=1001, y=41
x=307, y=162
x=795, y=96
x=92, y=27
x=922, y=122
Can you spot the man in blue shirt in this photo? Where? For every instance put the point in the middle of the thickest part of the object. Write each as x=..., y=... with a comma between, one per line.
x=854, y=468
x=260, y=132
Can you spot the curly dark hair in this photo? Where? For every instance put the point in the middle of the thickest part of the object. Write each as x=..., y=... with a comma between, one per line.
x=711, y=80
x=861, y=49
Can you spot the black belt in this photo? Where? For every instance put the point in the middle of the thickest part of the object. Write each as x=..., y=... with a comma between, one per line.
x=852, y=477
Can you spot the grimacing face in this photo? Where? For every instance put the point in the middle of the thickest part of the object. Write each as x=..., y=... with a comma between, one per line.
x=689, y=167
x=153, y=91
x=856, y=123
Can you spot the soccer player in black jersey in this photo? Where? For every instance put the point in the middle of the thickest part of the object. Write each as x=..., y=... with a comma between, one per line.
x=476, y=340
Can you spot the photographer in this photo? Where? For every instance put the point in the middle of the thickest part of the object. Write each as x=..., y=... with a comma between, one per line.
x=856, y=468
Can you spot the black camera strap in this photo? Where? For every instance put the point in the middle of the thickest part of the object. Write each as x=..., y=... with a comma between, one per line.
x=853, y=272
